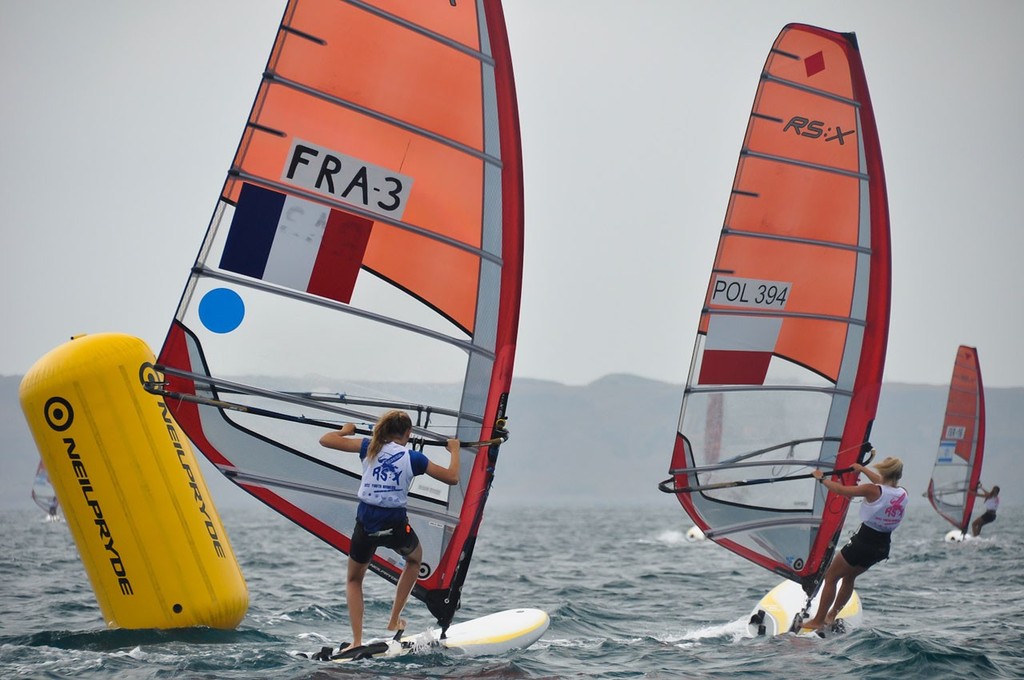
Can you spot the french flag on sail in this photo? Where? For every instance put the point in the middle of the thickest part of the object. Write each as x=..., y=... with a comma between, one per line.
x=295, y=243
x=738, y=349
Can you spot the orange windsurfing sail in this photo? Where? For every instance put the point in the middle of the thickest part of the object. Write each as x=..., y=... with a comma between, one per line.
x=957, y=468
x=365, y=254
x=788, y=360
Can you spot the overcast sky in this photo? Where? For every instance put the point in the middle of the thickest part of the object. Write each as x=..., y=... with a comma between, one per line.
x=120, y=120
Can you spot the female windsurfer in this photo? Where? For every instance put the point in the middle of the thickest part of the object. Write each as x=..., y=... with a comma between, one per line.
x=991, y=505
x=381, y=519
x=880, y=513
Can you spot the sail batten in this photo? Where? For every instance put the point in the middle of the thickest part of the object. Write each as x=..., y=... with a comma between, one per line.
x=764, y=524
x=804, y=164
x=397, y=20
x=794, y=239
x=384, y=118
x=741, y=461
x=810, y=90
x=309, y=399
x=848, y=320
x=406, y=226
x=787, y=364
x=367, y=242
x=348, y=309
x=768, y=388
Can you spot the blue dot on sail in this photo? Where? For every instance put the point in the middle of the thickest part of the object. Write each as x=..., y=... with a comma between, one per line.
x=221, y=310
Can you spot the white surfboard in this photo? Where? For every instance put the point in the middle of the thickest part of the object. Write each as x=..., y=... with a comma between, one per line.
x=774, y=614
x=956, y=536
x=492, y=634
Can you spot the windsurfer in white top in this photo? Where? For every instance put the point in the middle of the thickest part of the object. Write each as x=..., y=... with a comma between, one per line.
x=381, y=519
x=882, y=511
x=991, y=505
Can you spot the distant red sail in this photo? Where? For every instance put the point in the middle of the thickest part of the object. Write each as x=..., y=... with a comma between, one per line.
x=957, y=468
x=788, y=361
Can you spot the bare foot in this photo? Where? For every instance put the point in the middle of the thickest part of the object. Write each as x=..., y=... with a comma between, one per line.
x=345, y=646
x=397, y=625
x=811, y=624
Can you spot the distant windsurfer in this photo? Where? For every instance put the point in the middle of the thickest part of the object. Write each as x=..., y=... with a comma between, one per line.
x=881, y=512
x=381, y=519
x=991, y=505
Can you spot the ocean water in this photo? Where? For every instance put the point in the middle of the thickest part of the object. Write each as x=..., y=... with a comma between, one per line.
x=628, y=595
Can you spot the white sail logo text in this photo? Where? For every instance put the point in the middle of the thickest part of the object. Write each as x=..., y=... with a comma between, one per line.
x=956, y=432
x=348, y=179
x=756, y=293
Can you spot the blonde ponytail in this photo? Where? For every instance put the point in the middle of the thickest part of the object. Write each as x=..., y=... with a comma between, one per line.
x=891, y=469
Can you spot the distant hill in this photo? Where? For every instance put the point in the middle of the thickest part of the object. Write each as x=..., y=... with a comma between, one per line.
x=611, y=440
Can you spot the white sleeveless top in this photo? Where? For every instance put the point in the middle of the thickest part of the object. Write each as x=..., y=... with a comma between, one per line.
x=992, y=504
x=886, y=513
x=386, y=478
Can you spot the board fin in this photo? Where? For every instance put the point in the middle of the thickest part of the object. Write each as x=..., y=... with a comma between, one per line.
x=758, y=620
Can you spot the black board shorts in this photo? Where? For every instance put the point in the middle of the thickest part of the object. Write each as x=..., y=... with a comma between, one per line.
x=867, y=547
x=988, y=517
x=399, y=537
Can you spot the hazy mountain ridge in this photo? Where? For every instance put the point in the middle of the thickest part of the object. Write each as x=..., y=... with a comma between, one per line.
x=611, y=441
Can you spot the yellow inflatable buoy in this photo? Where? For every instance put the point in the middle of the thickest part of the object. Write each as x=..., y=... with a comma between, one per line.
x=135, y=501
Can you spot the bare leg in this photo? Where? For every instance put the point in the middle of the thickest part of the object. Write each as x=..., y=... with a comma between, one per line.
x=354, y=596
x=405, y=583
x=839, y=569
x=976, y=527
x=845, y=592
x=828, y=593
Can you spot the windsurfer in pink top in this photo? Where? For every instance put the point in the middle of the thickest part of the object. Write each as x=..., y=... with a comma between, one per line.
x=991, y=505
x=880, y=513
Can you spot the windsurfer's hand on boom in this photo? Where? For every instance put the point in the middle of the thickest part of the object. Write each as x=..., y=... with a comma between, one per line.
x=867, y=472
x=341, y=439
x=450, y=474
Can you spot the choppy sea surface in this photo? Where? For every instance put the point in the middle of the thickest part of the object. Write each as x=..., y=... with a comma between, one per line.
x=629, y=597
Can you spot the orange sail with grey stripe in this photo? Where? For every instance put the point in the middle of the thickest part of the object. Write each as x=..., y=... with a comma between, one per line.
x=365, y=253
x=790, y=346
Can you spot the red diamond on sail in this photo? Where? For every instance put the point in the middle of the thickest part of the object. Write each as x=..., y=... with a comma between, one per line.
x=815, y=64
